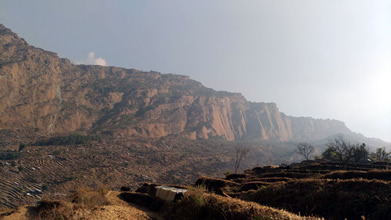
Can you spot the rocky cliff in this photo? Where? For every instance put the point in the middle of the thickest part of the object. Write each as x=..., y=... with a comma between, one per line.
x=43, y=94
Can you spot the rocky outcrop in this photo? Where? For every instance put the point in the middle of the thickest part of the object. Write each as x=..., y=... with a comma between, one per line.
x=47, y=95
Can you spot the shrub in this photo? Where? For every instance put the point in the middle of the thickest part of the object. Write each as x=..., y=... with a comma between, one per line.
x=9, y=155
x=196, y=195
x=191, y=206
x=48, y=209
x=213, y=184
x=45, y=187
x=88, y=198
x=332, y=199
x=199, y=205
x=21, y=147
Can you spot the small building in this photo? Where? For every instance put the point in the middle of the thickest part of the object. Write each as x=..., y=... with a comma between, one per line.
x=169, y=193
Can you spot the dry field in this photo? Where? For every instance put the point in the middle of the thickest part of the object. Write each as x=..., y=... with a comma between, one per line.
x=53, y=171
x=58, y=170
x=329, y=190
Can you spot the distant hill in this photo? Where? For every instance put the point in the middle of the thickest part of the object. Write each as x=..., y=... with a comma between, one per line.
x=42, y=94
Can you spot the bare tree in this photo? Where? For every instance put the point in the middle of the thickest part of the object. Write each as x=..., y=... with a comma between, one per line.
x=305, y=150
x=344, y=151
x=240, y=153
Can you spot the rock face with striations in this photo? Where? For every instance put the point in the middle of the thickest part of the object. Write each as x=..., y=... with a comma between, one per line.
x=44, y=94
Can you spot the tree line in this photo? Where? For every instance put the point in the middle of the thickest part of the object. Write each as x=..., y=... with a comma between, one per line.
x=341, y=150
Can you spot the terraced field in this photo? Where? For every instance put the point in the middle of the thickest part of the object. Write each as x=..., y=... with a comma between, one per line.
x=53, y=171
x=315, y=188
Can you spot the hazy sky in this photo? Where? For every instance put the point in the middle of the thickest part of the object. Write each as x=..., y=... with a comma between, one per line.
x=319, y=58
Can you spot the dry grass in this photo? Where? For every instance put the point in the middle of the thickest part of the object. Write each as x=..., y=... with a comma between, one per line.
x=254, y=185
x=333, y=199
x=199, y=205
x=85, y=197
x=57, y=210
x=371, y=174
x=48, y=209
x=214, y=184
x=5, y=211
x=295, y=175
x=83, y=200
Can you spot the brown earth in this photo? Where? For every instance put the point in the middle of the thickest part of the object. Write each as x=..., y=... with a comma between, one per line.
x=116, y=209
x=195, y=205
x=330, y=190
x=130, y=162
x=122, y=162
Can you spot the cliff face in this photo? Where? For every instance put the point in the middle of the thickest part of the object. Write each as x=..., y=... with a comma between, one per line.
x=44, y=94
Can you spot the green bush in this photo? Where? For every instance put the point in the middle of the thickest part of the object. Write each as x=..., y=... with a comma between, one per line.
x=9, y=155
x=45, y=187
x=21, y=147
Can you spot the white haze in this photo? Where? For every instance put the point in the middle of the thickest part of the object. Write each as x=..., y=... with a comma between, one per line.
x=325, y=59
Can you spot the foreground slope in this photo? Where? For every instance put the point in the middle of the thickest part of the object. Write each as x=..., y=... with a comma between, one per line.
x=326, y=189
x=116, y=205
x=113, y=208
x=42, y=94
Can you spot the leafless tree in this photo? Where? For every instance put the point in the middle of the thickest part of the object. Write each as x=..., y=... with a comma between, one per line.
x=344, y=150
x=240, y=153
x=305, y=150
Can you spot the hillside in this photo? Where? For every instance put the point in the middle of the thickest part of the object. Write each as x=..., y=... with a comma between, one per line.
x=306, y=190
x=42, y=94
x=65, y=128
x=313, y=188
x=58, y=169
x=116, y=205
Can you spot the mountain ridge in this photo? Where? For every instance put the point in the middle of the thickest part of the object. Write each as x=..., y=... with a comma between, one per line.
x=44, y=94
